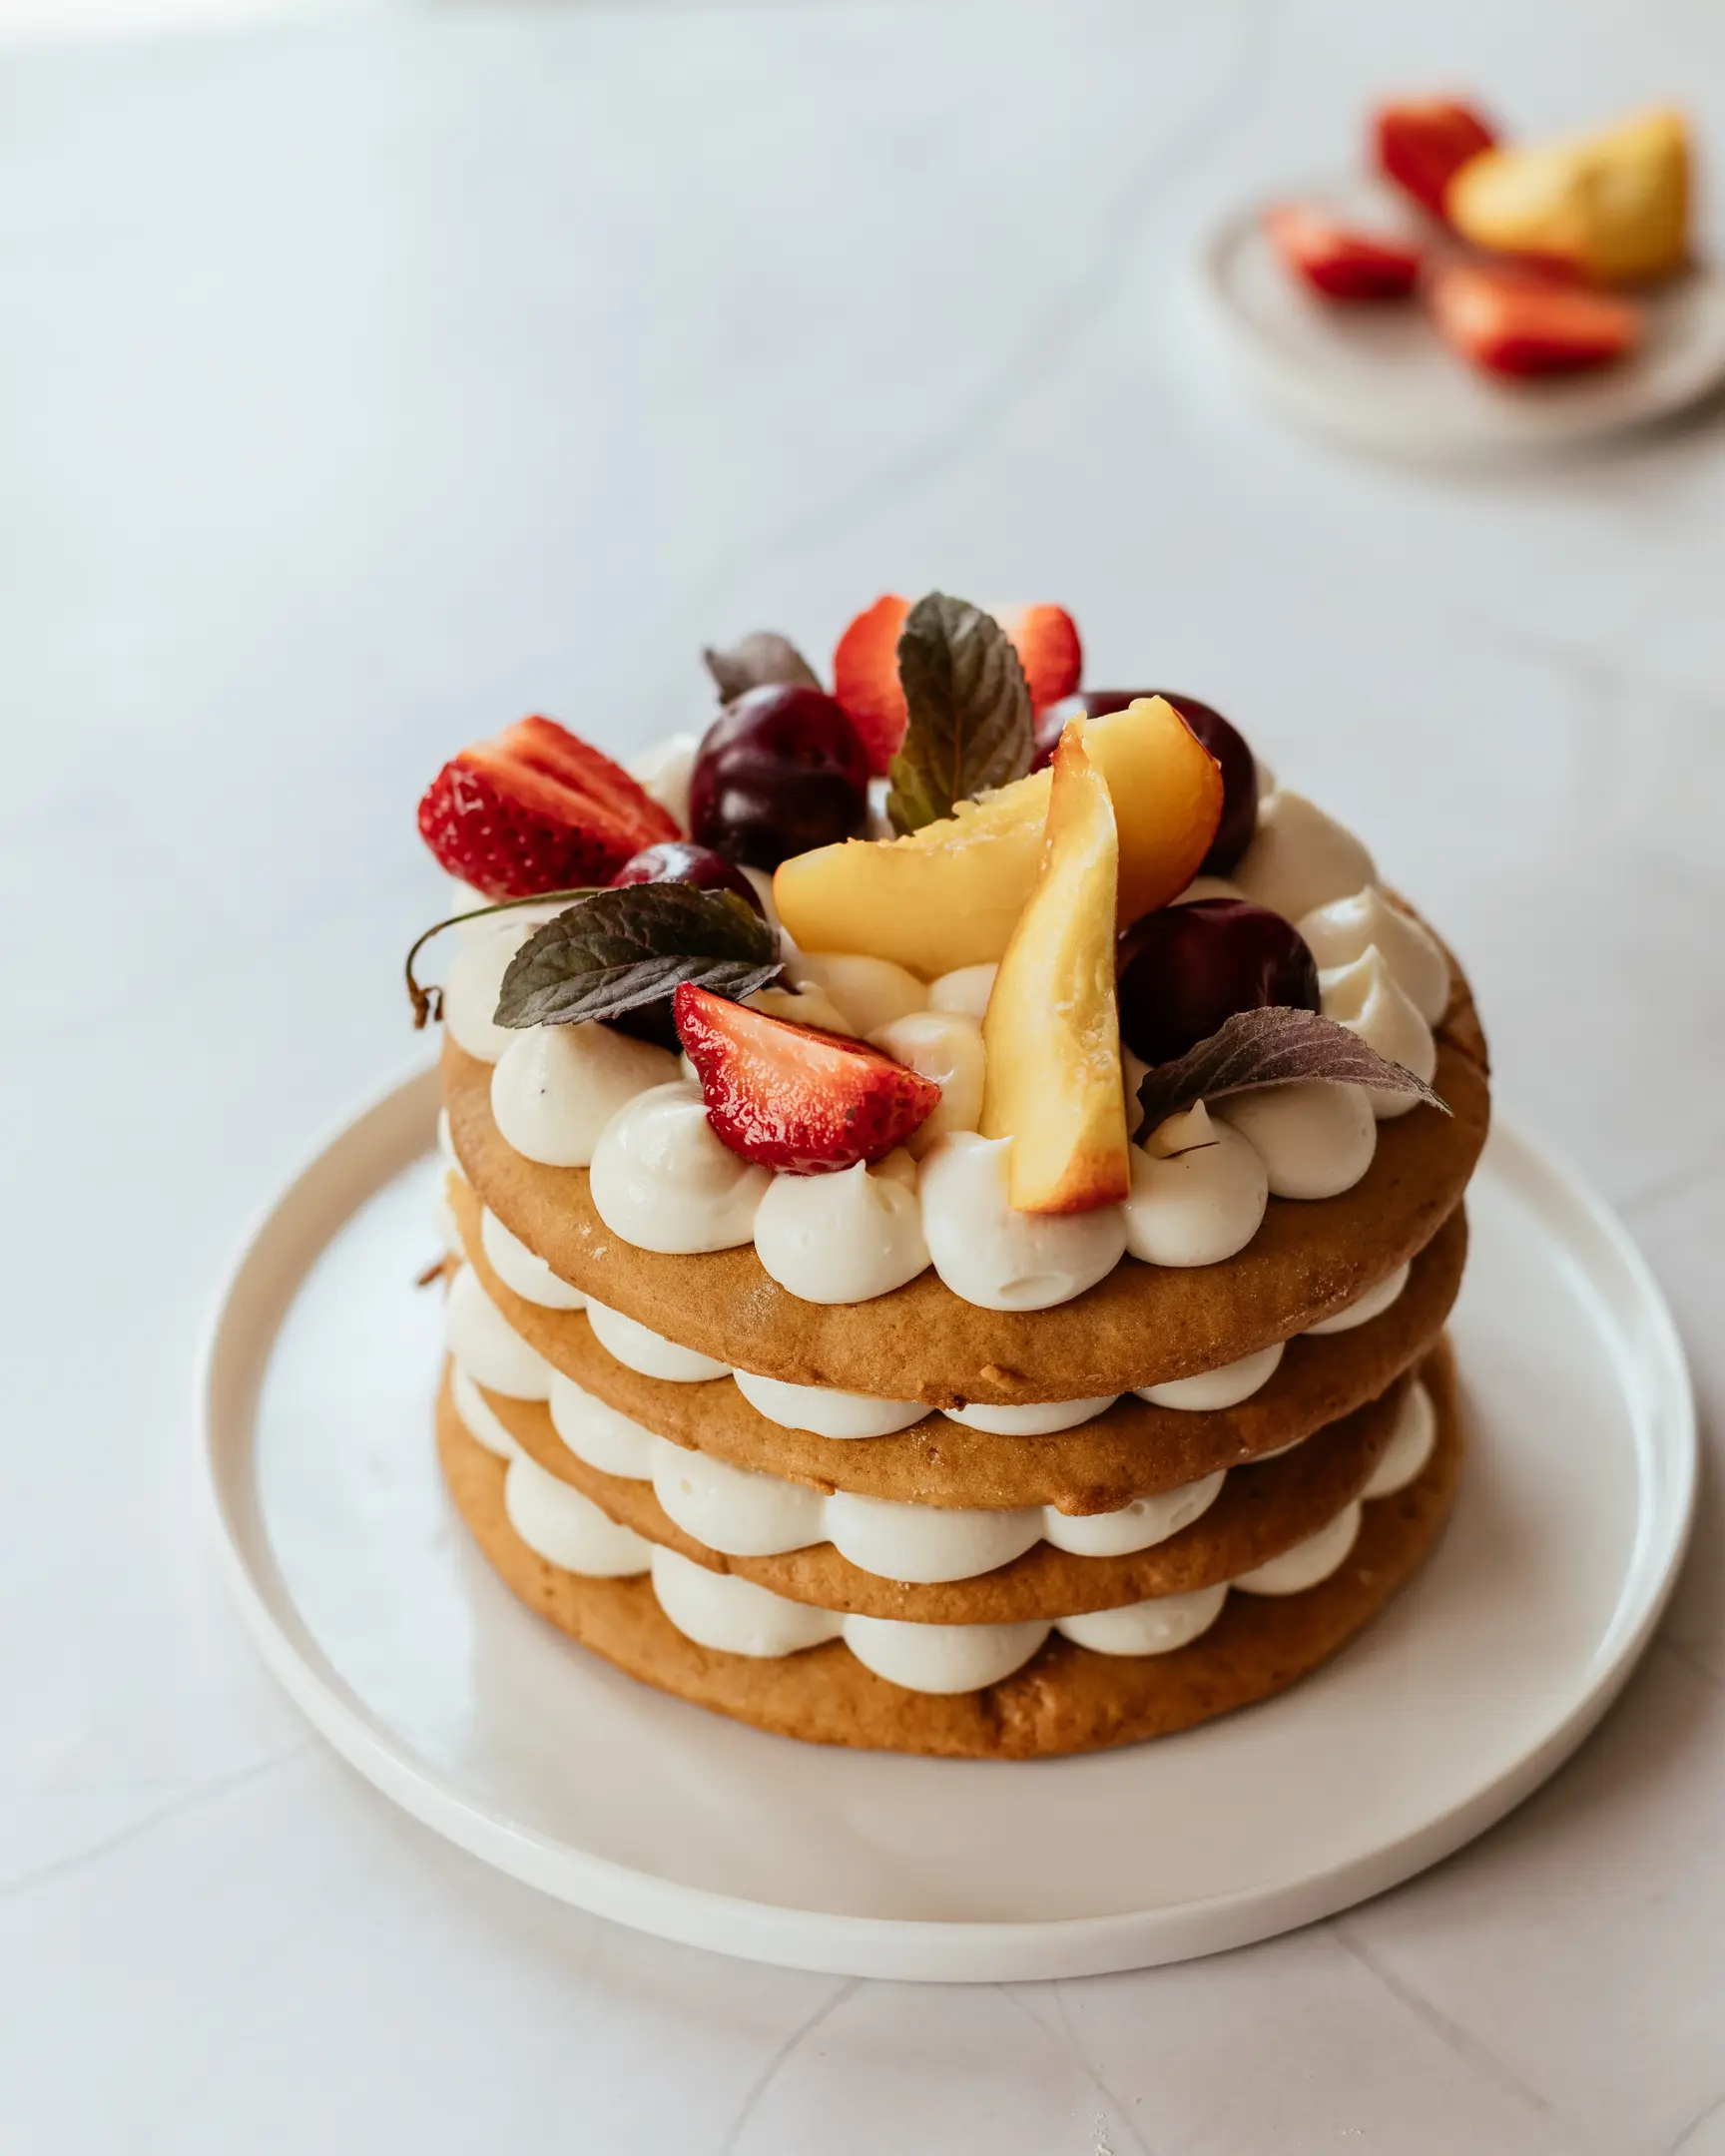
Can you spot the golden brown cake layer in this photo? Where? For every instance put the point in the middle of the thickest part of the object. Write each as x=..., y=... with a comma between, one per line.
x=1132, y=1450
x=1143, y=1324
x=1066, y=1699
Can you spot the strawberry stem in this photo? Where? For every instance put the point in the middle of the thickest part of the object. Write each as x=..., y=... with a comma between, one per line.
x=428, y=1002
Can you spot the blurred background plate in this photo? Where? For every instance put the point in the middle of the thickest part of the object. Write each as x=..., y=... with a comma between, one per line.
x=1381, y=378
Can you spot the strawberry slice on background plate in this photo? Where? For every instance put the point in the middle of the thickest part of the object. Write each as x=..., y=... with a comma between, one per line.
x=537, y=810
x=1513, y=322
x=1341, y=260
x=1422, y=143
x=790, y=1097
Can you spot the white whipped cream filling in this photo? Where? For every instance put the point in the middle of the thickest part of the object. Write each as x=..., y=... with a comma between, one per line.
x=444, y=1212
x=1365, y=998
x=1300, y=859
x=664, y=773
x=1315, y=1138
x=567, y=1529
x=520, y=1270
x=483, y=1341
x=1039, y=1419
x=842, y=1238
x=1199, y=1188
x=1308, y=1562
x=1224, y=1386
x=743, y=1513
x=999, y=1259
x=872, y=992
x=478, y=1417
x=965, y=990
x=1411, y=1444
x=474, y=977
x=649, y=1353
x=662, y=1179
x=947, y=1047
x=1147, y=1628
x=824, y=1410
x=810, y=1006
x=1347, y=929
x=1363, y=1309
x=556, y=1087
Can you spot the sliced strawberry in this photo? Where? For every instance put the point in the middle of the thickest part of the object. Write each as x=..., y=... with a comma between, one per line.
x=1513, y=322
x=866, y=678
x=1422, y=143
x=1337, y=259
x=1046, y=640
x=537, y=811
x=788, y=1096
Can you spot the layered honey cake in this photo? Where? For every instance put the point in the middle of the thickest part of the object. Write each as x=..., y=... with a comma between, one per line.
x=954, y=1186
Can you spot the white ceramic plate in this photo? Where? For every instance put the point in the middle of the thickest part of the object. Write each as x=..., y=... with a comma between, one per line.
x=1381, y=378
x=370, y=1605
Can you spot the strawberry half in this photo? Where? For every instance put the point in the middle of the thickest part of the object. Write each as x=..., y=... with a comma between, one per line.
x=1339, y=261
x=1518, y=323
x=866, y=678
x=1046, y=640
x=788, y=1096
x=535, y=810
x=1422, y=143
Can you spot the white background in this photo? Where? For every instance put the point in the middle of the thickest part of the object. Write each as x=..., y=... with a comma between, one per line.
x=367, y=383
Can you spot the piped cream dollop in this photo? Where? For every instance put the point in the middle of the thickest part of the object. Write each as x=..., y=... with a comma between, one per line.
x=522, y=1271
x=662, y=1179
x=823, y=1411
x=555, y=1087
x=599, y=1434
x=808, y=1006
x=484, y=1344
x=664, y=773
x=1039, y=1419
x=1300, y=859
x=1314, y=1137
x=649, y=1353
x=1347, y=929
x=565, y=1529
x=1372, y=1303
x=1365, y=998
x=1147, y=1628
x=1412, y=1443
x=1000, y=1259
x=947, y=1047
x=1198, y=1194
x=842, y=1238
x=1226, y=1385
x=872, y=992
x=474, y=979
x=1308, y=1562
x=966, y=990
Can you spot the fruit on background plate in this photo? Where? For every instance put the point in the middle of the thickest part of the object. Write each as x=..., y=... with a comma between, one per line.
x=781, y=770
x=536, y=811
x=1338, y=260
x=1514, y=323
x=1612, y=205
x=1420, y=143
x=866, y=667
x=951, y=894
x=790, y=1097
x=1052, y=1081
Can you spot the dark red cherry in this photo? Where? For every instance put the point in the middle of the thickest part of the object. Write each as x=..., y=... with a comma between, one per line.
x=1224, y=742
x=675, y=860
x=1185, y=969
x=780, y=770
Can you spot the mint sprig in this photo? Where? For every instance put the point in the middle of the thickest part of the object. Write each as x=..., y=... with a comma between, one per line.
x=613, y=951
x=756, y=661
x=969, y=725
x=1269, y=1047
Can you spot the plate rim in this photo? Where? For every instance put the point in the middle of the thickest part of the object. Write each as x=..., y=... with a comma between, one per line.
x=393, y=1128
x=1290, y=390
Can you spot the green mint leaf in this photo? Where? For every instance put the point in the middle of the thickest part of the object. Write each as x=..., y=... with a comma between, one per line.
x=616, y=950
x=1267, y=1047
x=755, y=661
x=969, y=726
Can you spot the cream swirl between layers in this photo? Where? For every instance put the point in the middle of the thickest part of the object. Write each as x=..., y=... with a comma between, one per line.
x=743, y=1513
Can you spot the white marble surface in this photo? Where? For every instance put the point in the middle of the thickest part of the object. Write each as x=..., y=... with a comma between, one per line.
x=367, y=384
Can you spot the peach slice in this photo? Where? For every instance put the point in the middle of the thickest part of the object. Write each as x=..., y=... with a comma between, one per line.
x=1053, y=1033
x=1613, y=204
x=951, y=894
